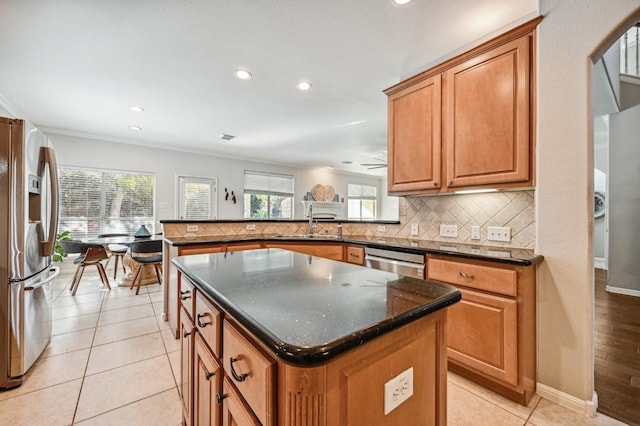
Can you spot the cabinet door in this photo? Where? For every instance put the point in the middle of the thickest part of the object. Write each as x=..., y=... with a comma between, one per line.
x=414, y=137
x=234, y=411
x=207, y=384
x=355, y=254
x=482, y=335
x=243, y=246
x=186, y=366
x=487, y=133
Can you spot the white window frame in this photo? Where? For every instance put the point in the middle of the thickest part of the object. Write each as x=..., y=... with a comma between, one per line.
x=181, y=180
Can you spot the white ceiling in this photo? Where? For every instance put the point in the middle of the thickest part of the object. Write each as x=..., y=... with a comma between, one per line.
x=74, y=67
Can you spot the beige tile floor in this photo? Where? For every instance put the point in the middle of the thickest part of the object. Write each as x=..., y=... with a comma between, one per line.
x=113, y=361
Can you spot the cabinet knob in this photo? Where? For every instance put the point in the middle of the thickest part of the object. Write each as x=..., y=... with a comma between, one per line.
x=435, y=183
x=200, y=323
x=239, y=377
x=184, y=295
x=449, y=182
x=208, y=375
x=220, y=397
x=465, y=275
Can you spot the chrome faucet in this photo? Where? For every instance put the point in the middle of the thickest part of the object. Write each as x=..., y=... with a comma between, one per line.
x=310, y=214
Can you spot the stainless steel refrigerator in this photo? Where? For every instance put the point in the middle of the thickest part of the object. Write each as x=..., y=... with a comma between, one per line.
x=28, y=226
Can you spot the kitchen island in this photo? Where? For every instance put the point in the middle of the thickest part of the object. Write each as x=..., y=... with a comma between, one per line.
x=272, y=336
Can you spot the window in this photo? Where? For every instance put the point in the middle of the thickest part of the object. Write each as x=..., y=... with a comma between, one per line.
x=196, y=198
x=362, y=201
x=268, y=195
x=629, y=48
x=94, y=202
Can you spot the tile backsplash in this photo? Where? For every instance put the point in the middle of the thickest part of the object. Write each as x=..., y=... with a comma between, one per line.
x=513, y=209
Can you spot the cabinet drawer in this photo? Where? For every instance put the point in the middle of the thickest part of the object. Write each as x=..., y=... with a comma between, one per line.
x=252, y=373
x=355, y=255
x=187, y=296
x=208, y=320
x=495, y=280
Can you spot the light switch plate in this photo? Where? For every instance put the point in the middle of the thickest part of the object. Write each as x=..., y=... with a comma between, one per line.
x=475, y=232
x=192, y=228
x=496, y=233
x=382, y=228
x=450, y=231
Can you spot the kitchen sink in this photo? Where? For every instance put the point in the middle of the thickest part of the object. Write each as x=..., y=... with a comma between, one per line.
x=310, y=236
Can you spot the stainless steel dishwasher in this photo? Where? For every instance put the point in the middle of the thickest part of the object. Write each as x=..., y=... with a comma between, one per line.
x=399, y=262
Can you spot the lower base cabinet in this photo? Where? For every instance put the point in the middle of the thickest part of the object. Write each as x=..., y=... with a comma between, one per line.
x=246, y=384
x=491, y=332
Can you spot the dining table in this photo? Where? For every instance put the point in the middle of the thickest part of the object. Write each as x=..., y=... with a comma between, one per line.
x=148, y=277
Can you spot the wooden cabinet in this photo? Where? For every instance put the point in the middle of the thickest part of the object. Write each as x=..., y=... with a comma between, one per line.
x=414, y=137
x=491, y=332
x=320, y=248
x=354, y=254
x=468, y=122
x=234, y=410
x=487, y=105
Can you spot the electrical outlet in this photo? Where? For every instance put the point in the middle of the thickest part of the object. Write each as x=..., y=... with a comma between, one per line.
x=382, y=228
x=495, y=233
x=450, y=231
x=251, y=227
x=192, y=228
x=398, y=390
x=414, y=229
x=475, y=232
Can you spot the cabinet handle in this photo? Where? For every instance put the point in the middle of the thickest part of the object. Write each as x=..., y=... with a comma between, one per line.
x=186, y=334
x=239, y=377
x=449, y=182
x=184, y=295
x=464, y=275
x=220, y=397
x=200, y=323
x=208, y=375
x=435, y=183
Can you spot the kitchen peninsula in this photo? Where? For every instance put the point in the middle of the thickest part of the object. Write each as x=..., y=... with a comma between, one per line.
x=272, y=336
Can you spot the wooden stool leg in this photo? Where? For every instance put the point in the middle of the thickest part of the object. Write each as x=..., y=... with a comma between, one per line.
x=75, y=276
x=135, y=277
x=115, y=266
x=103, y=275
x=77, y=284
x=139, y=279
x=157, y=268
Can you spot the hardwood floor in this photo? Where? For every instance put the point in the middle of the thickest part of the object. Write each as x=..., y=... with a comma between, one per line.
x=617, y=352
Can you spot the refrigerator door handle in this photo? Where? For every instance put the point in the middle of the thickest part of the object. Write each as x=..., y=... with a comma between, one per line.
x=56, y=272
x=48, y=156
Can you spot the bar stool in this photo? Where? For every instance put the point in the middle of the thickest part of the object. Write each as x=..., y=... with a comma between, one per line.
x=152, y=255
x=116, y=251
x=91, y=255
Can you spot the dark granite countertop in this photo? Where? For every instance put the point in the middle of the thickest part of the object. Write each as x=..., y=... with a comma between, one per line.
x=514, y=256
x=307, y=309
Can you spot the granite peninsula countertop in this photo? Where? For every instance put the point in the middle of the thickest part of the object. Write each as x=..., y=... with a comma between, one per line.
x=308, y=309
x=514, y=256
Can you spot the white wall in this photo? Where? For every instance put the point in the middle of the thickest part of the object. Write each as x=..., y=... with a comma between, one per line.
x=568, y=36
x=165, y=164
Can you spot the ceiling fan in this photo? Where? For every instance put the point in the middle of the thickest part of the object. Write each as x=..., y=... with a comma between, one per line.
x=371, y=166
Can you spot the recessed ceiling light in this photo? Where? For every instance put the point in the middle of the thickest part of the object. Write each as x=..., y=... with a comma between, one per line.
x=304, y=85
x=135, y=128
x=347, y=162
x=244, y=75
x=401, y=2
x=136, y=108
x=226, y=137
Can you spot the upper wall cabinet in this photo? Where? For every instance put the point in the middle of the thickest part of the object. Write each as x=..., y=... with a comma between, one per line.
x=415, y=136
x=466, y=123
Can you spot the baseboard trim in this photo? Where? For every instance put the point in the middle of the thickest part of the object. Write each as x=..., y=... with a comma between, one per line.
x=584, y=407
x=600, y=263
x=625, y=291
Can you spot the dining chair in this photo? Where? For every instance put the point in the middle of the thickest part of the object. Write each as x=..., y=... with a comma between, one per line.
x=90, y=255
x=146, y=253
x=116, y=251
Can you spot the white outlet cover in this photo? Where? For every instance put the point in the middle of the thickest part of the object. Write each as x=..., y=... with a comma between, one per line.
x=475, y=232
x=382, y=228
x=398, y=390
x=414, y=229
x=192, y=228
x=251, y=227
